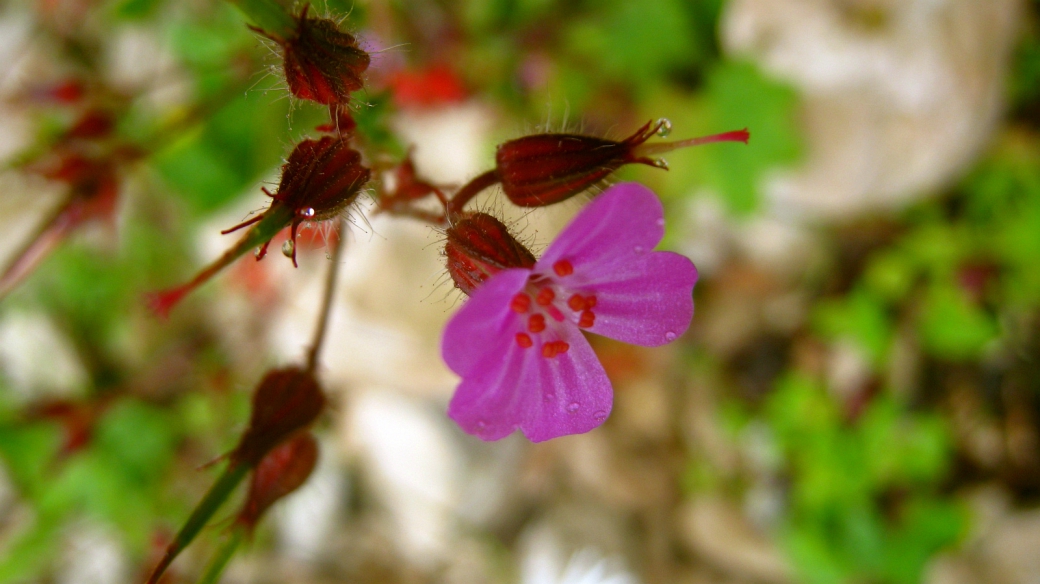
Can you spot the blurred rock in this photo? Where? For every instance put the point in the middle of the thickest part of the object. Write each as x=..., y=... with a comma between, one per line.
x=722, y=536
x=899, y=95
x=37, y=359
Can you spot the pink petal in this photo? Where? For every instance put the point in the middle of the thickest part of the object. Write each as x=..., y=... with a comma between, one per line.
x=617, y=227
x=544, y=398
x=478, y=332
x=649, y=303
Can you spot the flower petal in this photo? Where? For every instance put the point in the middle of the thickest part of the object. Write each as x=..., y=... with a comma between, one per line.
x=478, y=331
x=650, y=303
x=617, y=227
x=544, y=398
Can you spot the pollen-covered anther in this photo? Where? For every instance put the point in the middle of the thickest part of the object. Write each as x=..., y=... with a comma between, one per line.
x=545, y=296
x=587, y=319
x=536, y=323
x=520, y=303
x=563, y=268
x=524, y=340
x=554, y=348
x=576, y=303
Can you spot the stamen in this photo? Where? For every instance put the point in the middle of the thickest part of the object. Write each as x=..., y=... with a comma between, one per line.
x=561, y=347
x=524, y=341
x=577, y=303
x=590, y=302
x=536, y=323
x=587, y=319
x=563, y=268
x=545, y=297
x=520, y=303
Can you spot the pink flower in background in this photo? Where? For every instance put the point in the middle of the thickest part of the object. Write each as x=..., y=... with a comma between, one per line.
x=518, y=343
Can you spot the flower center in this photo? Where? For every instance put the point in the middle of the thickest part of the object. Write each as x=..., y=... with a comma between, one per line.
x=544, y=297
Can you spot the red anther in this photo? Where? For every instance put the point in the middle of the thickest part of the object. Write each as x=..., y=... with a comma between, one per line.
x=524, y=341
x=521, y=303
x=561, y=347
x=587, y=319
x=576, y=302
x=563, y=268
x=590, y=302
x=545, y=296
x=536, y=323
x=549, y=350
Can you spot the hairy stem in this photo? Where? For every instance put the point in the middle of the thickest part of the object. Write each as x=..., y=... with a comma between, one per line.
x=326, y=301
x=470, y=190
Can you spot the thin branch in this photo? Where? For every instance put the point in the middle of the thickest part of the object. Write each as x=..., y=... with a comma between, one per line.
x=326, y=303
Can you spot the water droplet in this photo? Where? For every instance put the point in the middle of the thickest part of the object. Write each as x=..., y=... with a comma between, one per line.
x=288, y=248
x=308, y=212
x=257, y=252
x=481, y=425
x=660, y=163
x=600, y=415
x=660, y=222
x=638, y=249
x=664, y=127
x=549, y=396
x=572, y=407
x=669, y=335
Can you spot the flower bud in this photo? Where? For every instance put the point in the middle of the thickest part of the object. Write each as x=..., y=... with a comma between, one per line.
x=281, y=472
x=323, y=63
x=479, y=246
x=286, y=401
x=543, y=169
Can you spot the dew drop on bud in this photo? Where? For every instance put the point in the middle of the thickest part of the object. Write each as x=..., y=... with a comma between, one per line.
x=669, y=335
x=288, y=248
x=308, y=212
x=664, y=127
x=599, y=416
x=660, y=163
x=572, y=407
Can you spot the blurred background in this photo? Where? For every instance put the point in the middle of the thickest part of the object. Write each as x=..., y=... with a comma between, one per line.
x=857, y=401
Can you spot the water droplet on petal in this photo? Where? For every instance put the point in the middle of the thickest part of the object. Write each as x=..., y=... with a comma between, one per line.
x=288, y=248
x=572, y=407
x=481, y=425
x=660, y=163
x=548, y=397
x=638, y=249
x=308, y=212
x=664, y=127
x=669, y=335
x=599, y=416
x=660, y=222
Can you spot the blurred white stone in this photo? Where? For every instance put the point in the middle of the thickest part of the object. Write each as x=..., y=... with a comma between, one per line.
x=449, y=142
x=415, y=468
x=545, y=559
x=36, y=358
x=139, y=64
x=92, y=556
x=899, y=96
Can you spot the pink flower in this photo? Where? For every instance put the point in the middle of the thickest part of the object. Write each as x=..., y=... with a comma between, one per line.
x=518, y=343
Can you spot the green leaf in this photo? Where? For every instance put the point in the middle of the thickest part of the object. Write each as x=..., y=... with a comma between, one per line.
x=860, y=317
x=951, y=326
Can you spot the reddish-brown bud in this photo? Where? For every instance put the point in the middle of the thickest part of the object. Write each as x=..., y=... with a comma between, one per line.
x=286, y=401
x=323, y=63
x=543, y=169
x=478, y=247
x=281, y=472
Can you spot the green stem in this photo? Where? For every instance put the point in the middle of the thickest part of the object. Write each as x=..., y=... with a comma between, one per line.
x=223, y=556
x=218, y=493
x=268, y=15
